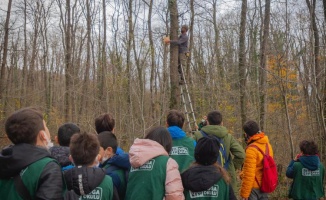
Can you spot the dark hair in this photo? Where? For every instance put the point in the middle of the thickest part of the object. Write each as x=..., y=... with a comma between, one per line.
x=24, y=125
x=184, y=27
x=251, y=128
x=214, y=117
x=84, y=147
x=160, y=135
x=108, y=139
x=104, y=122
x=308, y=147
x=65, y=132
x=175, y=118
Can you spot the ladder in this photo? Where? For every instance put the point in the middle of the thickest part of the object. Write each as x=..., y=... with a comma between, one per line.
x=187, y=103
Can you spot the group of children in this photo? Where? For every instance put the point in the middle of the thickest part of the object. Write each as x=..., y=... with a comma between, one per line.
x=165, y=164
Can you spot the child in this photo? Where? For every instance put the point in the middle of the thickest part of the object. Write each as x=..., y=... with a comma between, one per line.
x=115, y=165
x=182, y=146
x=252, y=170
x=61, y=153
x=153, y=175
x=206, y=179
x=307, y=173
x=85, y=180
x=106, y=122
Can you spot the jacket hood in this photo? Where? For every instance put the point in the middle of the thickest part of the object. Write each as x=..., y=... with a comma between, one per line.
x=176, y=132
x=310, y=162
x=61, y=154
x=119, y=160
x=83, y=180
x=143, y=150
x=14, y=158
x=259, y=138
x=219, y=131
x=200, y=178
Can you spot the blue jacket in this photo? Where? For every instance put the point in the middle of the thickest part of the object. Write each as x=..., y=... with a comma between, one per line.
x=177, y=133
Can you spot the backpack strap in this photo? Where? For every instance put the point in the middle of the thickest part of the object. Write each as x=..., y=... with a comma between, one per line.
x=21, y=188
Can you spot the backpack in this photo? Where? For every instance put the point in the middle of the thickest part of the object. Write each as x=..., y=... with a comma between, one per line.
x=270, y=177
x=223, y=159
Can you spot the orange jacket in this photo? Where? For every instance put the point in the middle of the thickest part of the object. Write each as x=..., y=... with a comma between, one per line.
x=253, y=164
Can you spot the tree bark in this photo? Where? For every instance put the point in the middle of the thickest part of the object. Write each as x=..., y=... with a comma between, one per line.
x=174, y=53
x=263, y=70
x=5, y=51
x=68, y=65
x=242, y=62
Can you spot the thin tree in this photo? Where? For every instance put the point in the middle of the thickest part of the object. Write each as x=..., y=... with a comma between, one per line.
x=5, y=51
x=263, y=69
x=242, y=61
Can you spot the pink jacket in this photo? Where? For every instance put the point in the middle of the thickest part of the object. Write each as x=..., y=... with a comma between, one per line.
x=143, y=150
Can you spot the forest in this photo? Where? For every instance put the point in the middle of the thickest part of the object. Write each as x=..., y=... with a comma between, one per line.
x=258, y=60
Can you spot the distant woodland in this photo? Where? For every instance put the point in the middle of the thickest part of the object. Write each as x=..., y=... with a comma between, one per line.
x=259, y=60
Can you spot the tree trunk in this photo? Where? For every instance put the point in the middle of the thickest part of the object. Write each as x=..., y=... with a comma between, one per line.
x=68, y=66
x=5, y=51
x=242, y=62
x=263, y=70
x=174, y=53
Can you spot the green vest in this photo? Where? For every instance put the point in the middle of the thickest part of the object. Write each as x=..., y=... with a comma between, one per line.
x=148, y=181
x=307, y=184
x=219, y=191
x=182, y=152
x=102, y=192
x=122, y=178
x=30, y=177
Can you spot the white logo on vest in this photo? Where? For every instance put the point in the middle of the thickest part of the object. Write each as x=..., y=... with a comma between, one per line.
x=179, y=150
x=148, y=166
x=211, y=192
x=307, y=172
x=95, y=194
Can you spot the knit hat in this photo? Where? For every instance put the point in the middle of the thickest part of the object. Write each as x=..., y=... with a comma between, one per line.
x=207, y=150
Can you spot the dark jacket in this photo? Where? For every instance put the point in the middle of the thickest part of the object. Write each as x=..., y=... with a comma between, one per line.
x=182, y=43
x=200, y=178
x=91, y=178
x=15, y=158
x=61, y=154
x=308, y=177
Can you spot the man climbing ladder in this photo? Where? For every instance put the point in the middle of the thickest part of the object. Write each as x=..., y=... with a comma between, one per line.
x=182, y=43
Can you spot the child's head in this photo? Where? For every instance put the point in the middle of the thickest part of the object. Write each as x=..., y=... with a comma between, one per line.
x=104, y=122
x=160, y=135
x=214, y=118
x=308, y=147
x=251, y=128
x=84, y=149
x=175, y=118
x=207, y=150
x=108, y=145
x=65, y=132
x=25, y=126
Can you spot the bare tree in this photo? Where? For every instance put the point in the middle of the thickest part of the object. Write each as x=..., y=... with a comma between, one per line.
x=263, y=70
x=174, y=79
x=5, y=50
x=242, y=61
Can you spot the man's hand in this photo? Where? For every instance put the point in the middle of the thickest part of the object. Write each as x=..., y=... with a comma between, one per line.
x=166, y=40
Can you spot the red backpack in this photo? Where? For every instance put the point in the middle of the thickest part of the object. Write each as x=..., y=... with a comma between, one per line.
x=270, y=177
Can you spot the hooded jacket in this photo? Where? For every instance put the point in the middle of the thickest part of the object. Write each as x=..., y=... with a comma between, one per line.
x=117, y=167
x=13, y=159
x=232, y=146
x=144, y=150
x=200, y=178
x=253, y=165
x=183, y=148
x=61, y=154
x=84, y=181
x=308, y=174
